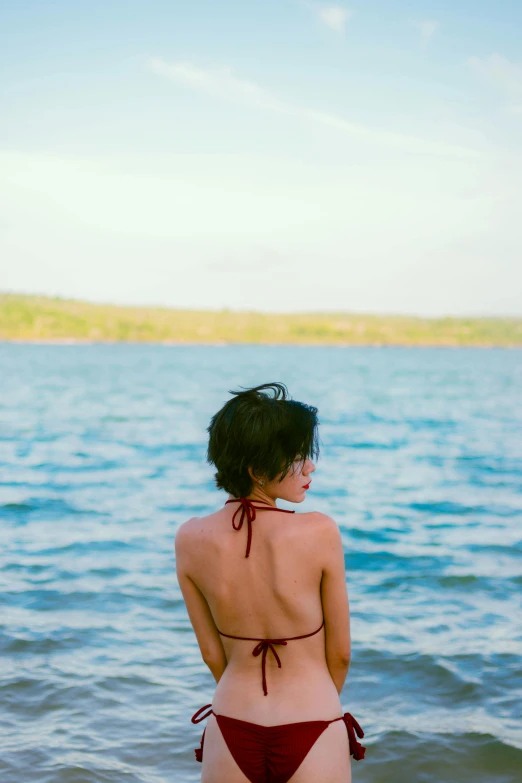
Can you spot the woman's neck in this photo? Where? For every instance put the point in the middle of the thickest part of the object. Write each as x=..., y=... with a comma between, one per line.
x=257, y=496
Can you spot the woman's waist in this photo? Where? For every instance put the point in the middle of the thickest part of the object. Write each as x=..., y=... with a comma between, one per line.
x=294, y=693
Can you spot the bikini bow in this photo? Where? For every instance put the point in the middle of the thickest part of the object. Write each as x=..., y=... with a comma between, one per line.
x=263, y=647
x=248, y=511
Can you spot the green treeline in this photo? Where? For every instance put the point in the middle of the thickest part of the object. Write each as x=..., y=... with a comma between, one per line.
x=35, y=318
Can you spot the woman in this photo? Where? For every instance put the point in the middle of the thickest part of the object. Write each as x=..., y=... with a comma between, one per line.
x=265, y=591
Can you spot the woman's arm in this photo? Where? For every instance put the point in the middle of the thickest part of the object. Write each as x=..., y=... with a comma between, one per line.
x=198, y=610
x=217, y=667
x=334, y=597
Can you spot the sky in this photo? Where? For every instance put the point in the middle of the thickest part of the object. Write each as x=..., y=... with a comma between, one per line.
x=269, y=155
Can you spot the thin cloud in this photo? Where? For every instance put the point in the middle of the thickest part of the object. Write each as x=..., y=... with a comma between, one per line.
x=220, y=83
x=334, y=16
x=502, y=74
x=499, y=71
x=223, y=84
x=427, y=28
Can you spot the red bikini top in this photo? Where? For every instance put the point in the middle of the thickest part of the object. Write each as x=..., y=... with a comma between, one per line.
x=266, y=644
x=248, y=510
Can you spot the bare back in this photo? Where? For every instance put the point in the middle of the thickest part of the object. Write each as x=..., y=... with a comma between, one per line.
x=276, y=592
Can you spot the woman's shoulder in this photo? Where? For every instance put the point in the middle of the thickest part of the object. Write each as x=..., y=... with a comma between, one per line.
x=185, y=531
x=319, y=515
x=195, y=525
x=321, y=519
x=321, y=525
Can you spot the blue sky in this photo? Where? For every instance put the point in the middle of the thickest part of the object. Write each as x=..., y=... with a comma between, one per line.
x=281, y=155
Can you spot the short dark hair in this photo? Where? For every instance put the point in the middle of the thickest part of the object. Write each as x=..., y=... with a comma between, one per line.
x=260, y=431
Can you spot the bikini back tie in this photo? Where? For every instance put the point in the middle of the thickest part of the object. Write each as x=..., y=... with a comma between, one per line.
x=248, y=512
x=265, y=645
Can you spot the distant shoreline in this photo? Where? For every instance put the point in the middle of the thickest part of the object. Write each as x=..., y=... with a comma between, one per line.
x=181, y=343
x=40, y=320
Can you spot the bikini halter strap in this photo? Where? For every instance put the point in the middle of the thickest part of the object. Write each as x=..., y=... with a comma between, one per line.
x=247, y=511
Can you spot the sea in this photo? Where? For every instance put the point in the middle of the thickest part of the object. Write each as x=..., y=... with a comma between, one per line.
x=102, y=457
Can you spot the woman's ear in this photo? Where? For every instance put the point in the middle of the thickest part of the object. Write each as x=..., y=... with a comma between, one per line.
x=256, y=479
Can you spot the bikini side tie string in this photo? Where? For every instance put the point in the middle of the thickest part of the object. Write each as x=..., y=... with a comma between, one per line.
x=195, y=718
x=356, y=749
x=198, y=752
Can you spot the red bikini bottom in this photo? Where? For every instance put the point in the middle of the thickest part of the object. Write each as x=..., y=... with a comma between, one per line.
x=271, y=754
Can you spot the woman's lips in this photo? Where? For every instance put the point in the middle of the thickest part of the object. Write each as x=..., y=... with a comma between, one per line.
x=306, y=486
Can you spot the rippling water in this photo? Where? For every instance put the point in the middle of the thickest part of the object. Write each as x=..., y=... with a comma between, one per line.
x=102, y=457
